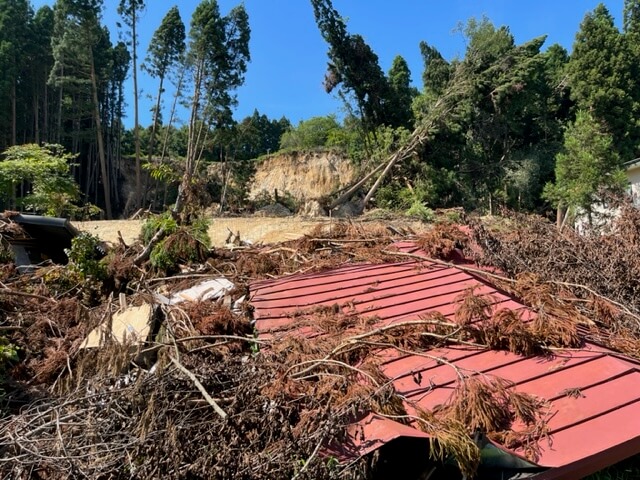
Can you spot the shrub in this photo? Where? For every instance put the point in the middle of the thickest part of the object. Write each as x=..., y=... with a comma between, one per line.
x=420, y=211
x=85, y=256
x=153, y=224
x=182, y=244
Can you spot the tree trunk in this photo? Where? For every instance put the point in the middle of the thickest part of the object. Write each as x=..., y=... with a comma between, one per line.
x=153, y=133
x=14, y=127
x=184, y=189
x=103, y=160
x=45, y=114
x=136, y=130
x=59, y=119
x=171, y=116
x=36, y=120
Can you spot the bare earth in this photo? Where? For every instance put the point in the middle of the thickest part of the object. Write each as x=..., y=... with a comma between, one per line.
x=254, y=229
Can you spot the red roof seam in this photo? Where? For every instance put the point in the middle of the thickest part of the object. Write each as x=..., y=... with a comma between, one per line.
x=561, y=368
x=405, y=356
x=476, y=372
x=592, y=417
x=411, y=266
x=595, y=384
x=366, y=282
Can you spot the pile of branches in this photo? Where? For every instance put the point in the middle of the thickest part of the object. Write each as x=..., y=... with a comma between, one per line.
x=600, y=269
x=222, y=403
x=217, y=401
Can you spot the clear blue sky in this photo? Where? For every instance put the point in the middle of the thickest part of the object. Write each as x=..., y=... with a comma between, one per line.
x=289, y=57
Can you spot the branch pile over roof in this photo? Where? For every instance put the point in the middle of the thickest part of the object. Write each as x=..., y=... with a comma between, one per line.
x=223, y=392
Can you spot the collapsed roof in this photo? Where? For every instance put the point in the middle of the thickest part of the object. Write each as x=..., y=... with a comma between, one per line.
x=591, y=391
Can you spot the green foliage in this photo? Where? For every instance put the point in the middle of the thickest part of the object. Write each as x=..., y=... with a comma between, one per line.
x=354, y=69
x=187, y=244
x=256, y=135
x=161, y=171
x=437, y=71
x=153, y=224
x=181, y=244
x=587, y=166
x=603, y=77
x=317, y=132
x=8, y=356
x=8, y=353
x=402, y=94
x=45, y=171
x=62, y=280
x=85, y=255
x=167, y=44
x=420, y=211
x=219, y=52
x=505, y=104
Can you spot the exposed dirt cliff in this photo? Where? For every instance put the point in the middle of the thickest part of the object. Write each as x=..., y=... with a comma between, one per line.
x=305, y=175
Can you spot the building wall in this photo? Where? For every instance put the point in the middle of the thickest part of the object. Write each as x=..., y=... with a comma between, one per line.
x=633, y=174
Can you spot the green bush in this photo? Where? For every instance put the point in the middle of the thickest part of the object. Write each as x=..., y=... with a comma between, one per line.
x=182, y=244
x=153, y=224
x=46, y=172
x=8, y=356
x=85, y=256
x=420, y=211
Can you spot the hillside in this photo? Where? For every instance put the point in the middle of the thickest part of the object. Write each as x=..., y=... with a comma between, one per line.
x=305, y=175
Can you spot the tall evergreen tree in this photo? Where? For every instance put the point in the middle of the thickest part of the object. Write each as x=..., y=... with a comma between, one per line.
x=504, y=100
x=166, y=50
x=631, y=16
x=601, y=79
x=41, y=62
x=79, y=44
x=437, y=71
x=130, y=11
x=218, y=54
x=353, y=67
x=401, y=95
x=587, y=165
x=15, y=18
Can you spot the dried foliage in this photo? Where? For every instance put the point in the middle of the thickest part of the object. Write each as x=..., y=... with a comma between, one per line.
x=157, y=425
x=593, y=276
x=443, y=241
x=220, y=402
x=506, y=329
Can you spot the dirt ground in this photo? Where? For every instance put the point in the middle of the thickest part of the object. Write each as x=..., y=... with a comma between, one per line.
x=254, y=229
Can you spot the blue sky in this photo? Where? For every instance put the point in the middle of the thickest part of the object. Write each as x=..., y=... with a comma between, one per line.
x=289, y=57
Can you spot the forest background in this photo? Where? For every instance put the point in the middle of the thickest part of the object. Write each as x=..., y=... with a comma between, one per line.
x=524, y=125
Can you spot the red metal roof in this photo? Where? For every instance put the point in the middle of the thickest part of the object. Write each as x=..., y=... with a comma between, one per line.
x=594, y=429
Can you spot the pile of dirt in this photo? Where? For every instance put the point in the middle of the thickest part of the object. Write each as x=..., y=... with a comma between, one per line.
x=274, y=210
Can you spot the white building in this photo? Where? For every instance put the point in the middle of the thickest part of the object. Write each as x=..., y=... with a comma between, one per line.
x=633, y=174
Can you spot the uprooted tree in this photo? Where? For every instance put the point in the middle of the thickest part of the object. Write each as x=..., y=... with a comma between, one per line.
x=475, y=103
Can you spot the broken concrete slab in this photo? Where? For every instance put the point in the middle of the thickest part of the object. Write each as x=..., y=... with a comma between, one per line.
x=132, y=325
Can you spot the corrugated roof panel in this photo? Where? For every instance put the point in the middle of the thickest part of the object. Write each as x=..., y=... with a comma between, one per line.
x=589, y=438
x=594, y=393
x=591, y=402
x=574, y=375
